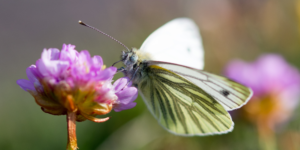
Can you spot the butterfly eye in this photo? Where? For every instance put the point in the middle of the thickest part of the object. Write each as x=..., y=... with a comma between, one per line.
x=133, y=58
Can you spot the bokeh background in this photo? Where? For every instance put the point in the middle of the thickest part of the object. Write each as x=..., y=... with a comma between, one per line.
x=230, y=29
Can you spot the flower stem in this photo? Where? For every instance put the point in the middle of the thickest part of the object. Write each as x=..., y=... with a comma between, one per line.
x=266, y=137
x=72, y=140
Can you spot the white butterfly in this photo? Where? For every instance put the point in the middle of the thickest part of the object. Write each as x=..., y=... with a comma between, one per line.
x=184, y=99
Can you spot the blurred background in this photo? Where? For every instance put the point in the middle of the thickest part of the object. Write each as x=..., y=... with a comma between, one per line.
x=230, y=29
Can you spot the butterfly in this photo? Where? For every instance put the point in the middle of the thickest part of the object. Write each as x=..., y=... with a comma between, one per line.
x=184, y=99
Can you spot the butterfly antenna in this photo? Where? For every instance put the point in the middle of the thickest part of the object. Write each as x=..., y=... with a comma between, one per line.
x=84, y=24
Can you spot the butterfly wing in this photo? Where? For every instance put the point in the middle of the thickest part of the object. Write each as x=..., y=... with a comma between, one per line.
x=178, y=41
x=184, y=100
x=230, y=94
x=180, y=106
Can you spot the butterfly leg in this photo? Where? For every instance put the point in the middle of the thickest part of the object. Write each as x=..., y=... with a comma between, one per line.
x=122, y=69
x=116, y=62
x=135, y=71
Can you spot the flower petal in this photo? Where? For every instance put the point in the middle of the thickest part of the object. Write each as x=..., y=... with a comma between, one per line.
x=124, y=107
x=25, y=85
x=127, y=95
x=68, y=53
x=31, y=73
x=51, y=54
x=51, y=67
x=120, y=84
x=84, y=57
x=107, y=73
x=97, y=61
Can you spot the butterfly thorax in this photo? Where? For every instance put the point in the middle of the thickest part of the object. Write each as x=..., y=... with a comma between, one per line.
x=135, y=64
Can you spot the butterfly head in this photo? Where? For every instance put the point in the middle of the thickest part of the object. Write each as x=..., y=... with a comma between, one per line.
x=130, y=57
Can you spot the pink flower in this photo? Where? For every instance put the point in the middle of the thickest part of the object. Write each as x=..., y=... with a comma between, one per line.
x=71, y=81
x=276, y=86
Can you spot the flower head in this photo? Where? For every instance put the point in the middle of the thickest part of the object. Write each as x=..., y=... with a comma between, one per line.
x=71, y=81
x=276, y=86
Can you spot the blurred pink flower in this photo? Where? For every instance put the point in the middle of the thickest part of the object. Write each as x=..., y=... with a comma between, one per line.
x=276, y=86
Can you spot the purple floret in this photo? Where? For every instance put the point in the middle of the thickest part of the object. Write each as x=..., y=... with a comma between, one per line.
x=126, y=94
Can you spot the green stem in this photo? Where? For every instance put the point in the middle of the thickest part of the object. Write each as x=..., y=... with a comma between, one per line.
x=72, y=140
x=267, y=138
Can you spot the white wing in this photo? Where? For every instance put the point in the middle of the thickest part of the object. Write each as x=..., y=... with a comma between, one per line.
x=178, y=41
x=230, y=94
